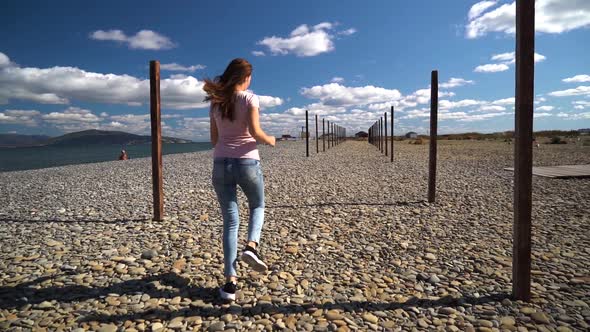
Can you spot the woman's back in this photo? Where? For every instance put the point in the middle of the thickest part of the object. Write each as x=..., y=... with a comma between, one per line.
x=235, y=140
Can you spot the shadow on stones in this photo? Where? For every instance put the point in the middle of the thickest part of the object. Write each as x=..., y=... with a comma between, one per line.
x=205, y=300
x=71, y=221
x=332, y=204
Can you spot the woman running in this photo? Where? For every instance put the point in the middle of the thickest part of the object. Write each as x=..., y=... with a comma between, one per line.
x=235, y=129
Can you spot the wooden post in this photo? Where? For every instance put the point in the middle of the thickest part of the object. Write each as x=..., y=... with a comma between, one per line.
x=157, y=181
x=385, y=133
x=433, y=126
x=381, y=133
x=306, y=133
x=392, y=134
x=523, y=149
x=328, y=135
x=324, y=134
x=317, y=139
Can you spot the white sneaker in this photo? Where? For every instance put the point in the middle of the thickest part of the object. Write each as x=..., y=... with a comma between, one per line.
x=251, y=257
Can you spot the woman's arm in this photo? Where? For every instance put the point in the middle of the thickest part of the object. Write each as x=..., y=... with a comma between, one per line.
x=213, y=127
x=254, y=127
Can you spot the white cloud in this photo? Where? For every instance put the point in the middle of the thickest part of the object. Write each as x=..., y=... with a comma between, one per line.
x=544, y=108
x=491, y=68
x=176, y=67
x=505, y=101
x=577, y=79
x=144, y=39
x=337, y=79
x=508, y=57
x=579, y=91
x=542, y=115
x=268, y=101
x=492, y=108
x=505, y=60
x=551, y=16
x=4, y=60
x=334, y=94
x=504, y=57
x=304, y=41
x=454, y=82
x=447, y=104
x=347, y=32
x=59, y=85
x=71, y=115
x=20, y=117
x=258, y=53
x=581, y=104
x=479, y=8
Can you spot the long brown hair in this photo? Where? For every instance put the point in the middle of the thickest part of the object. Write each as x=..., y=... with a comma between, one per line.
x=221, y=90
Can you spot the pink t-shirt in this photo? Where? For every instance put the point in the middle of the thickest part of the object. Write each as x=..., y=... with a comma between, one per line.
x=234, y=139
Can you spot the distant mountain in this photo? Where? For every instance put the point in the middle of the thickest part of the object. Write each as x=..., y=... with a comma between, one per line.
x=86, y=137
x=16, y=140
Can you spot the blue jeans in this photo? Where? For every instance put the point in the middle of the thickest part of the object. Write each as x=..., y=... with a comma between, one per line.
x=228, y=173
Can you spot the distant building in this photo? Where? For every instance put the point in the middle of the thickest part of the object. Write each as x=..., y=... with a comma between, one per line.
x=412, y=135
x=361, y=134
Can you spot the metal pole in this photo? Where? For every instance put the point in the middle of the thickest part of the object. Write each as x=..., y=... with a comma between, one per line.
x=306, y=133
x=155, y=117
x=523, y=149
x=433, y=125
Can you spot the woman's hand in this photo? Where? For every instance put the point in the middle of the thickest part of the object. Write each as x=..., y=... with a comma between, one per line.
x=271, y=141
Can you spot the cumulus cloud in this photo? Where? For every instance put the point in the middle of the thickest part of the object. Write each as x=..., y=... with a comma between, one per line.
x=258, y=53
x=176, y=67
x=577, y=79
x=454, y=82
x=71, y=115
x=144, y=39
x=491, y=68
x=551, y=16
x=20, y=117
x=304, y=40
x=337, y=79
x=544, y=108
x=579, y=91
x=509, y=57
x=60, y=85
x=505, y=60
x=269, y=101
x=581, y=104
x=335, y=94
x=476, y=10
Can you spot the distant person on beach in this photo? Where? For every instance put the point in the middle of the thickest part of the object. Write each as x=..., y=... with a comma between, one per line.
x=123, y=155
x=235, y=129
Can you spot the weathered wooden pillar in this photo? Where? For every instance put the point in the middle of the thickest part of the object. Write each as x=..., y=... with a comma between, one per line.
x=392, y=135
x=324, y=134
x=317, y=139
x=433, y=134
x=385, y=133
x=523, y=149
x=156, y=124
x=306, y=133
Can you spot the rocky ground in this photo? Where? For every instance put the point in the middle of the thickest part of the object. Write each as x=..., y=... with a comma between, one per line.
x=350, y=240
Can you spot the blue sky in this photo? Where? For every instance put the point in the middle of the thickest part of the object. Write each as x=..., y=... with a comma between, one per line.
x=75, y=65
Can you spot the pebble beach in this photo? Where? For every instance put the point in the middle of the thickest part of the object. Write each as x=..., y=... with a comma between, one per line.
x=349, y=238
